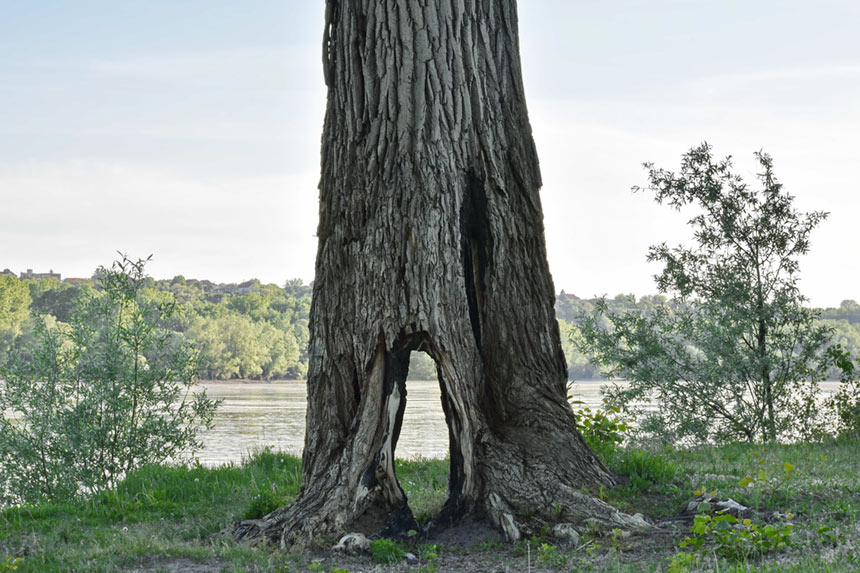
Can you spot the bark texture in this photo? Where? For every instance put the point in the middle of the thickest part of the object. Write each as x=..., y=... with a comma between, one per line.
x=431, y=238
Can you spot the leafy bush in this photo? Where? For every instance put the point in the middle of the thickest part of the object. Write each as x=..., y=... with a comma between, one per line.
x=110, y=392
x=550, y=556
x=845, y=403
x=387, y=551
x=735, y=539
x=603, y=430
x=734, y=355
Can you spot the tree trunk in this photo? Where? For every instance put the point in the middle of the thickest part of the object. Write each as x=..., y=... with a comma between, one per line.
x=431, y=238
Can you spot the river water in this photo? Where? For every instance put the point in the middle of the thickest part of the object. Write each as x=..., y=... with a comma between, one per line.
x=254, y=416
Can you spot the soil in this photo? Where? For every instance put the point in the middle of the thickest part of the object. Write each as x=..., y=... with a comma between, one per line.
x=176, y=565
x=472, y=563
x=467, y=548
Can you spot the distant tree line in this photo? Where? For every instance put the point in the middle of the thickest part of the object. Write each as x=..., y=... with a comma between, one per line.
x=257, y=332
x=844, y=320
x=260, y=331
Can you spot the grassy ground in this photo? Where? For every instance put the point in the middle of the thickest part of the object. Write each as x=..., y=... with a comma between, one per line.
x=161, y=518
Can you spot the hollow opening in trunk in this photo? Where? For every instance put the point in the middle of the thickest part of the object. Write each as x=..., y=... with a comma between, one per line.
x=423, y=446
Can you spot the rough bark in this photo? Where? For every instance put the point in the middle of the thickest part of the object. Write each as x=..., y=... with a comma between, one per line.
x=431, y=238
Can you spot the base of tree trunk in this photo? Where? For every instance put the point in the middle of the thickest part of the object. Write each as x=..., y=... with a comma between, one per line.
x=305, y=523
x=517, y=481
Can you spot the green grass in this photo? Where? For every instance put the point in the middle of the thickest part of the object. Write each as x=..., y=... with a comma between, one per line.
x=157, y=511
x=819, y=484
x=425, y=482
x=161, y=513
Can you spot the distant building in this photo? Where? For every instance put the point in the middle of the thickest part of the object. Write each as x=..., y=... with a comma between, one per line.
x=77, y=281
x=30, y=275
x=247, y=287
x=7, y=272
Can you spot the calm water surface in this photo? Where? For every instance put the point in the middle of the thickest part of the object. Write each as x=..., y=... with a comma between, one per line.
x=253, y=416
x=257, y=415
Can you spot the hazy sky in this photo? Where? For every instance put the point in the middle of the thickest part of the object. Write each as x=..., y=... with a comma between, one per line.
x=190, y=130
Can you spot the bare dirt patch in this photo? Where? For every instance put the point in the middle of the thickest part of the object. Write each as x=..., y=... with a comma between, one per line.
x=178, y=565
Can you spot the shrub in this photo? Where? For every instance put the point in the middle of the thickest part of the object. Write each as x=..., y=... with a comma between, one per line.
x=735, y=539
x=735, y=355
x=550, y=556
x=110, y=392
x=387, y=551
x=845, y=403
x=602, y=429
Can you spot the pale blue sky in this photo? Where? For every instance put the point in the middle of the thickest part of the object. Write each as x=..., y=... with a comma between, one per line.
x=191, y=129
